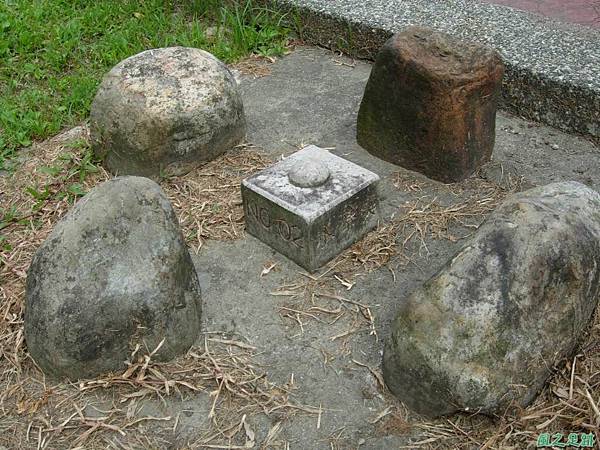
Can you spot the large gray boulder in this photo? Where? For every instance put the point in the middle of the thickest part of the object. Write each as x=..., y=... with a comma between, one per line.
x=114, y=273
x=166, y=111
x=485, y=332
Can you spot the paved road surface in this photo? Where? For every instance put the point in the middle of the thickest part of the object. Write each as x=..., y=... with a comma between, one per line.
x=584, y=12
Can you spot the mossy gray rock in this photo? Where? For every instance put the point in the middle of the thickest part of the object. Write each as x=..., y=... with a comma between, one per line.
x=165, y=111
x=114, y=273
x=484, y=333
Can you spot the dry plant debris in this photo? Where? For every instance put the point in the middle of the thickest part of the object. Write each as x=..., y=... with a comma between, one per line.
x=255, y=65
x=461, y=208
x=208, y=200
x=223, y=368
x=393, y=244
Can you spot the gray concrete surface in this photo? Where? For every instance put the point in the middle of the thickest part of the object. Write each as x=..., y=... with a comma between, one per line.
x=553, y=68
x=312, y=97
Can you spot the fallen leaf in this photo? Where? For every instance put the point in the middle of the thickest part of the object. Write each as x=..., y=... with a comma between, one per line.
x=267, y=268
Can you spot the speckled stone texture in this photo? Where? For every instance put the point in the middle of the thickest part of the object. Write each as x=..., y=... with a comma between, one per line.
x=311, y=225
x=430, y=104
x=114, y=274
x=584, y=12
x=166, y=111
x=552, y=69
x=484, y=333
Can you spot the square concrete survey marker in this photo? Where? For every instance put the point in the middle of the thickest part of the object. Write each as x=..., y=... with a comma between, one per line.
x=311, y=205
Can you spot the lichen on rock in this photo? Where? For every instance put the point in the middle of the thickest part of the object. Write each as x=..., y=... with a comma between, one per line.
x=113, y=274
x=484, y=333
x=165, y=111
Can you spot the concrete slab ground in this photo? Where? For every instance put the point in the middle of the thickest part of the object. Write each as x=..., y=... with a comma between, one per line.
x=326, y=333
x=552, y=68
x=312, y=97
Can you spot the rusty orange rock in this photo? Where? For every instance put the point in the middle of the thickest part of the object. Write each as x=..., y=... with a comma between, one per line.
x=430, y=104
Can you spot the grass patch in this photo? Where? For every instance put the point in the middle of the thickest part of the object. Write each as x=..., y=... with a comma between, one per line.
x=53, y=53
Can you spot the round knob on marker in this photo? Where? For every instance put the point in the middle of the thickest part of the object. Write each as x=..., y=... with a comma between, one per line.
x=308, y=173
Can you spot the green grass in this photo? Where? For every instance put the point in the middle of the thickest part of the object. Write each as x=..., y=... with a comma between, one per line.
x=53, y=53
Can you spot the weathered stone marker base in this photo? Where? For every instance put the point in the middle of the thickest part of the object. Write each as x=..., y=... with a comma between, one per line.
x=311, y=206
x=430, y=104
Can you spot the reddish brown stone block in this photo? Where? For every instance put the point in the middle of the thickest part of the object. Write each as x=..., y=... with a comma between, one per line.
x=430, y=104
